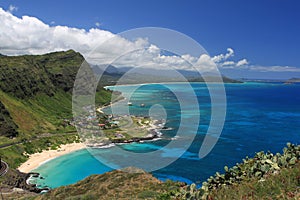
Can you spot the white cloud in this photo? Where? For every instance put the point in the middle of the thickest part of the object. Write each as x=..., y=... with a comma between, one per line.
x=29, y=35
x=242, y=62
x=226, y=63
x=274, y=68
x=223, y=57
x=222, y=62
x=189, y=58
x=97, y=24
x=12, y=8
x=205, y=63
x=229, y=54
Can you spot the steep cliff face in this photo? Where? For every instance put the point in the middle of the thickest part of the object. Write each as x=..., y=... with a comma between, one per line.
x=7, y=126
x=36, y=92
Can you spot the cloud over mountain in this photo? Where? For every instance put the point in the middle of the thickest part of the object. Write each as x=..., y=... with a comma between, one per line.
x=29, y=35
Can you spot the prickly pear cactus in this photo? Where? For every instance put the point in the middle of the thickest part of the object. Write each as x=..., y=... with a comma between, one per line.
x=258, y=166
x=262, y=163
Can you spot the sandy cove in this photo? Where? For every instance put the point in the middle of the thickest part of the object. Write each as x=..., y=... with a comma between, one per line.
x=35, y=160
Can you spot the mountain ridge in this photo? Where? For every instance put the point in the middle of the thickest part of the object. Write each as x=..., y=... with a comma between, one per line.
x=36, y=103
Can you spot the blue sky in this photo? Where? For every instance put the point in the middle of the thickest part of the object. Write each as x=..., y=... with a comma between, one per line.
x=266, y=33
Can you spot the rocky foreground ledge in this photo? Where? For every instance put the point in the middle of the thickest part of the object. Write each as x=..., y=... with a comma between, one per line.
x=16, y=179
x=128, y=183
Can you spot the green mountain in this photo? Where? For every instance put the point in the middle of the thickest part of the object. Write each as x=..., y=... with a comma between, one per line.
x=36, y=102
x=36, y=88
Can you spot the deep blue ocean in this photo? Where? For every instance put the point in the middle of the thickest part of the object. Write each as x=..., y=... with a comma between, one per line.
x=260, y=117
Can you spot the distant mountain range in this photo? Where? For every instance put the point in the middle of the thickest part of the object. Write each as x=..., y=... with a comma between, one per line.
x=111, y=75
x=293, y=80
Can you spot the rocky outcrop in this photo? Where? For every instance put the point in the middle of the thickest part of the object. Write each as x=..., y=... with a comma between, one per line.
x=17, y=179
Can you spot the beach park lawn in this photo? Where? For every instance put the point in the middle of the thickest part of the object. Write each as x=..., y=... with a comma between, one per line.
x=129, y=127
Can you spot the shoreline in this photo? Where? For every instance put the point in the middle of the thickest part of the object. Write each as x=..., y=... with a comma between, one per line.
x=37, y=159
x=153, y=135
x=109, y=105
x=176, y=82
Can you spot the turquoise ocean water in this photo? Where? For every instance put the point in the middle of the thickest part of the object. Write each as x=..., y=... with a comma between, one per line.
x=260, y=116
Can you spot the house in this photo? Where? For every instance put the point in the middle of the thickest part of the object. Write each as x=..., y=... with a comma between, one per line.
x=102, y=126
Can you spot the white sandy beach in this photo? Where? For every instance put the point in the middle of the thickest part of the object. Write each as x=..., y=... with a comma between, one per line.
x=35, y=160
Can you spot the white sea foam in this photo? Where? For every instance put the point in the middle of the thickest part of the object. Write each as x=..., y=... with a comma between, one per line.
x=103, y=146
x=155, y=139
x=28, y=181
x=175, y=137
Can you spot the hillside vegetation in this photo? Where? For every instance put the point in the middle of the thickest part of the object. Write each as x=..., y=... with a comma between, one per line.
x=36, y=114
x=7, y=126
x=129, y=184
x=36, y=103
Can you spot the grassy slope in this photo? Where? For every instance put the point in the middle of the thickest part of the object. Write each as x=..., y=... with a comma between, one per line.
x=37, y=93
x=284, y=185
x=45, y=113
x=37, y=115
x=15, y=155
x=36, y=90
x=113, y=185
x=7, y=126
x=120, y=185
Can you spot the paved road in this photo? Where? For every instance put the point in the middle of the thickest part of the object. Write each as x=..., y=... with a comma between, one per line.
x=44, y=135
x=4, y=168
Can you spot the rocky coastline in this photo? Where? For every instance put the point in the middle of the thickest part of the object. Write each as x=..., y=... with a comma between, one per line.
x=16, y=179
